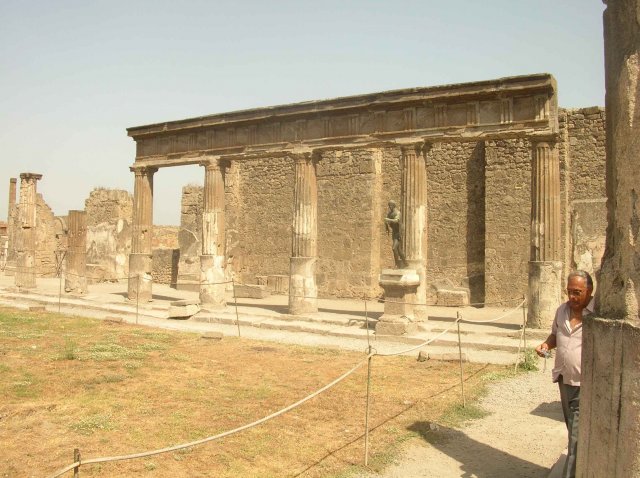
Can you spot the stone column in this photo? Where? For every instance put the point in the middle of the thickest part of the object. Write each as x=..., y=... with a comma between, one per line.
x=140, y=264
x=303, y=292
x=545, y=266
x=212, y=260
x=414, y=218
x=26, y=233
x=11, y=227
x=76, y=275
x=608, y=443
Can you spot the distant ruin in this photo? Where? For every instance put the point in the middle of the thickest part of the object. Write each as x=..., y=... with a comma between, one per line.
x=297, y=194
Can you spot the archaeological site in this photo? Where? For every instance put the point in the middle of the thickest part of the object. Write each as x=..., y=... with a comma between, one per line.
x=500, y=191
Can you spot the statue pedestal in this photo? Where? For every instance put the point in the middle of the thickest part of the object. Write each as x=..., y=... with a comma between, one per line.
x=400, y=287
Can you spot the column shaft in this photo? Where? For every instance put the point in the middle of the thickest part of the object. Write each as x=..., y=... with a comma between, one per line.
x=76, y=277
x=26, y=233
x=303, y=292
x=414, y=217
x=212, y=260
x=140, y=264
x=545, y=267
x=11, y=226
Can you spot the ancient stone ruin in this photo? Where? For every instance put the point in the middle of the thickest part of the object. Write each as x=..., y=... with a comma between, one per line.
x=501, y=193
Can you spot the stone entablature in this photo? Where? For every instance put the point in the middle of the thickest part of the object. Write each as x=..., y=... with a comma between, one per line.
x=505, y=107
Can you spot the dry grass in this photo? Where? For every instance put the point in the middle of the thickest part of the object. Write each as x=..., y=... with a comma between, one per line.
x=111, y=389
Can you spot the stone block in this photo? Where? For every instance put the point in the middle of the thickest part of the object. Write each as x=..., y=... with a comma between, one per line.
x=37, y=308
x=251, y=291
x=215, y=336
x=114, y=320
x=183, y=311
x=185, y=302
x=452, y=297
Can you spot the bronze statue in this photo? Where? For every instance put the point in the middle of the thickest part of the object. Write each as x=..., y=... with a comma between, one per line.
x=392, y=221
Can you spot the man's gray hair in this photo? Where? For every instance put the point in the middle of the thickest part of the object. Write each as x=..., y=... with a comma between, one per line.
x=585, y=275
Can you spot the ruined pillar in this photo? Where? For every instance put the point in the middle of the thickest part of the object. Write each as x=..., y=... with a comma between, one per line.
x=140, y=265
x=76, y=271
x=609, y=436
x=545, y=265
x=414, y=218
x=11, y=227
x=303, y=292
x=212, y=260
x=26, y=233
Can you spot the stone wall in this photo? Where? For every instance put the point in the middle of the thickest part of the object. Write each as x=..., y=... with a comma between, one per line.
x=165, y=266
x=50, y=239
x=507, y=218
x=109, y=215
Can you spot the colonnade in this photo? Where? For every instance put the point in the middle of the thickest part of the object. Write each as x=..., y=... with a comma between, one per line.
x=545, y=266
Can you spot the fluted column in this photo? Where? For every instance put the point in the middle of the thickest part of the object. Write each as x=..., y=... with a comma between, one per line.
x=26, y=233
x=11, y=226
x=76, y=276
x=414, y=217
x=303, y=292
x=140, y=264
x=545, y=266
x=212, y=260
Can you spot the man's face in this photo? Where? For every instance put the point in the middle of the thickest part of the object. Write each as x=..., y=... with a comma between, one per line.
x=578, y=292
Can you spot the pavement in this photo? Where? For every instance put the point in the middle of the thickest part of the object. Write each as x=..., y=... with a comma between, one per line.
x=343, y=323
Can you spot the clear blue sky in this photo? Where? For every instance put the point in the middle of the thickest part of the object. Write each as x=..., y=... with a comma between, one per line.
x=75, y=74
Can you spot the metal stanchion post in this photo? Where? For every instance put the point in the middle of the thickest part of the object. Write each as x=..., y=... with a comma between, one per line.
x=366, y=320
x=524, y=321
x=76, y=458
x=60, y=292
x=366, y=415
x=464, y=404
x=235, y=303
x=138, y=298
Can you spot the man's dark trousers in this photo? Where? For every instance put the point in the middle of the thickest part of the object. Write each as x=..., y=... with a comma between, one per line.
x=570, y=398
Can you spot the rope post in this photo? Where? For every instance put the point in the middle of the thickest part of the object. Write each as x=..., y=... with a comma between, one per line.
x=235, y=303
x=366, y=320
x=459, y=318
x=524, y=321
x=366, y=415
x=138, y=298
x=60, y=292
x=76, y=459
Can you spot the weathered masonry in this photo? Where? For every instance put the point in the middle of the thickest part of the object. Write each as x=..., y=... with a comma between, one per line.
x=301, y=190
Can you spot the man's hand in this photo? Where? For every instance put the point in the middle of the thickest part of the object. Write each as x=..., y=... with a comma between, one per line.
x=543, y=350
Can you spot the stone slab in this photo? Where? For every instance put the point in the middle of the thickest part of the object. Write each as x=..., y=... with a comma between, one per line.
x=182, y=312
x=251, y=291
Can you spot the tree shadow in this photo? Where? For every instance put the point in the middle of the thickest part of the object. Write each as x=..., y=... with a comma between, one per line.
x=478, y=460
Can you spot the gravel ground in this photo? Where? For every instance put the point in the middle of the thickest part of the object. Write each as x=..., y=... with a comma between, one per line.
x=521, y=438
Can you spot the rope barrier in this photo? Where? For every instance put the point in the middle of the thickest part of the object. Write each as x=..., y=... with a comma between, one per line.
x=402, y=352
x=214, y=437
x=496, y=319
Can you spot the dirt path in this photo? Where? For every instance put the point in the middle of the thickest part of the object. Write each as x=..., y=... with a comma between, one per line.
x=522, y=438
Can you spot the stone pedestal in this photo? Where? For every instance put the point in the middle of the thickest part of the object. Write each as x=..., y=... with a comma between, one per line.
x=11, y=255
x=303, y=293
x=608, y=443
x=76, y=272
x=545, y=280
x=212, y=282
x=140, y=283
x=400, y=287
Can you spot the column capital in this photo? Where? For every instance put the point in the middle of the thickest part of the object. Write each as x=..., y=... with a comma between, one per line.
x=304, y=156
x=212, y=163
x=417, y=148
x=30, y=176
x=143, y=170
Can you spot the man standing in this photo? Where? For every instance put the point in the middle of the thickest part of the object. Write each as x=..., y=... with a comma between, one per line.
x=566, y=336
x=393, y=221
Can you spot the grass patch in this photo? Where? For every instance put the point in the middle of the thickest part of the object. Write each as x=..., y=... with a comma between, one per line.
x=89, y=425
x=458, y=416
x=131, y=389
x=529, y=362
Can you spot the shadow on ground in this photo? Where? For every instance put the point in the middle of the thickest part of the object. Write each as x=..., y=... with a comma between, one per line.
x=478, y=460
x=552, y=410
